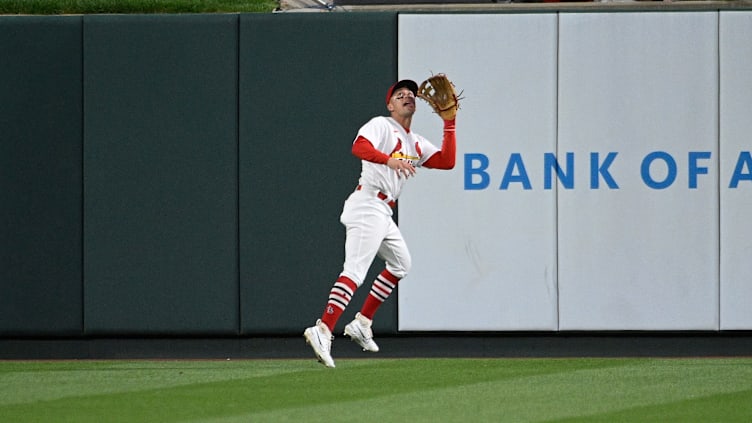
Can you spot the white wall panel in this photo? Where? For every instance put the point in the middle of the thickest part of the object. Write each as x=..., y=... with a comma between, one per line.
x=736, y=186
x=483, y=259
x=639, y=257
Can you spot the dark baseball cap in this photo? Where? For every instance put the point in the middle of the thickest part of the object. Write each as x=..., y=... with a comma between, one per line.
x=410, y=84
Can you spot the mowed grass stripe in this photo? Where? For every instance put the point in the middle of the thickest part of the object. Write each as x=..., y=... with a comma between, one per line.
x=728, y=407
x=630, y=393
x=24, y=382
x=351, y=381
x=379, y=390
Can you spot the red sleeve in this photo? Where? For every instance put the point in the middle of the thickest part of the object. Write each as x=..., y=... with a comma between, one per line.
x=445, y=158
x=364, y=150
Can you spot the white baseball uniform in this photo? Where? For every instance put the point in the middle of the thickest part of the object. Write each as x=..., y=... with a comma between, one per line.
x=367, y=216
x=367, y=212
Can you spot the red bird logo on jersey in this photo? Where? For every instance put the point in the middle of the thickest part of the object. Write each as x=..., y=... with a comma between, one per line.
x=397, y=154
x=397, y=148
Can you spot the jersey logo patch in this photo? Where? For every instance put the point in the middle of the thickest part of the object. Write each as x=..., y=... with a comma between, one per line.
x=397, y=154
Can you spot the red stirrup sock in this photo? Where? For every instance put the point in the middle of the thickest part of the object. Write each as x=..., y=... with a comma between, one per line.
x=339, y=298
x=382, y=287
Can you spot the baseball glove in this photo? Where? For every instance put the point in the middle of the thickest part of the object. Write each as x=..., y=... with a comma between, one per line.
x=438, y=91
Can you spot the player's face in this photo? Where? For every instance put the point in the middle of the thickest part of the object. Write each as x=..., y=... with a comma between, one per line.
x=402, y=102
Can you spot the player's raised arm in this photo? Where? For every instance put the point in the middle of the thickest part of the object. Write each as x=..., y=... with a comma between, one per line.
x=446, y=157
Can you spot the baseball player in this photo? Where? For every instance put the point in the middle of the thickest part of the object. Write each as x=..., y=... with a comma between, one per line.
x=390, y=154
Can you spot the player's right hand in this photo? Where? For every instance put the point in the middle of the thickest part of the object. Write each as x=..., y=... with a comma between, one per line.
x=403, y=167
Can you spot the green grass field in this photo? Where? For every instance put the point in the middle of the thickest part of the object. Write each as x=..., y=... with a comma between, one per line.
x=379, y=390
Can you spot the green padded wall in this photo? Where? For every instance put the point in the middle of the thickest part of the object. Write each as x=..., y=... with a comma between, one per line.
x=160, y=166
x=307, y=83
x=182, y=174
x=40, y=176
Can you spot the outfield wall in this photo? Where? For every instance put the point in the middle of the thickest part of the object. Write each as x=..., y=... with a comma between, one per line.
x=184, y=174
x=180, y=175
x=604, y=160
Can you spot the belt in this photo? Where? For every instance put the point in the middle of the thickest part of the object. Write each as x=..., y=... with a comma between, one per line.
x=381, y=196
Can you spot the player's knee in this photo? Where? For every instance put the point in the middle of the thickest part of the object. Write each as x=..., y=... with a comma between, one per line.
x=401, y=268
x=406, y=265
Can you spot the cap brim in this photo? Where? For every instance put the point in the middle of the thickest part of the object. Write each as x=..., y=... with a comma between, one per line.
x=405, y=83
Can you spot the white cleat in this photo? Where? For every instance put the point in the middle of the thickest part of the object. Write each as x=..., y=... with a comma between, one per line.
x=359, y=330
x=319, y=337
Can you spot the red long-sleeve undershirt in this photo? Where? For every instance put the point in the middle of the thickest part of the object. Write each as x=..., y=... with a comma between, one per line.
x=442, y=159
